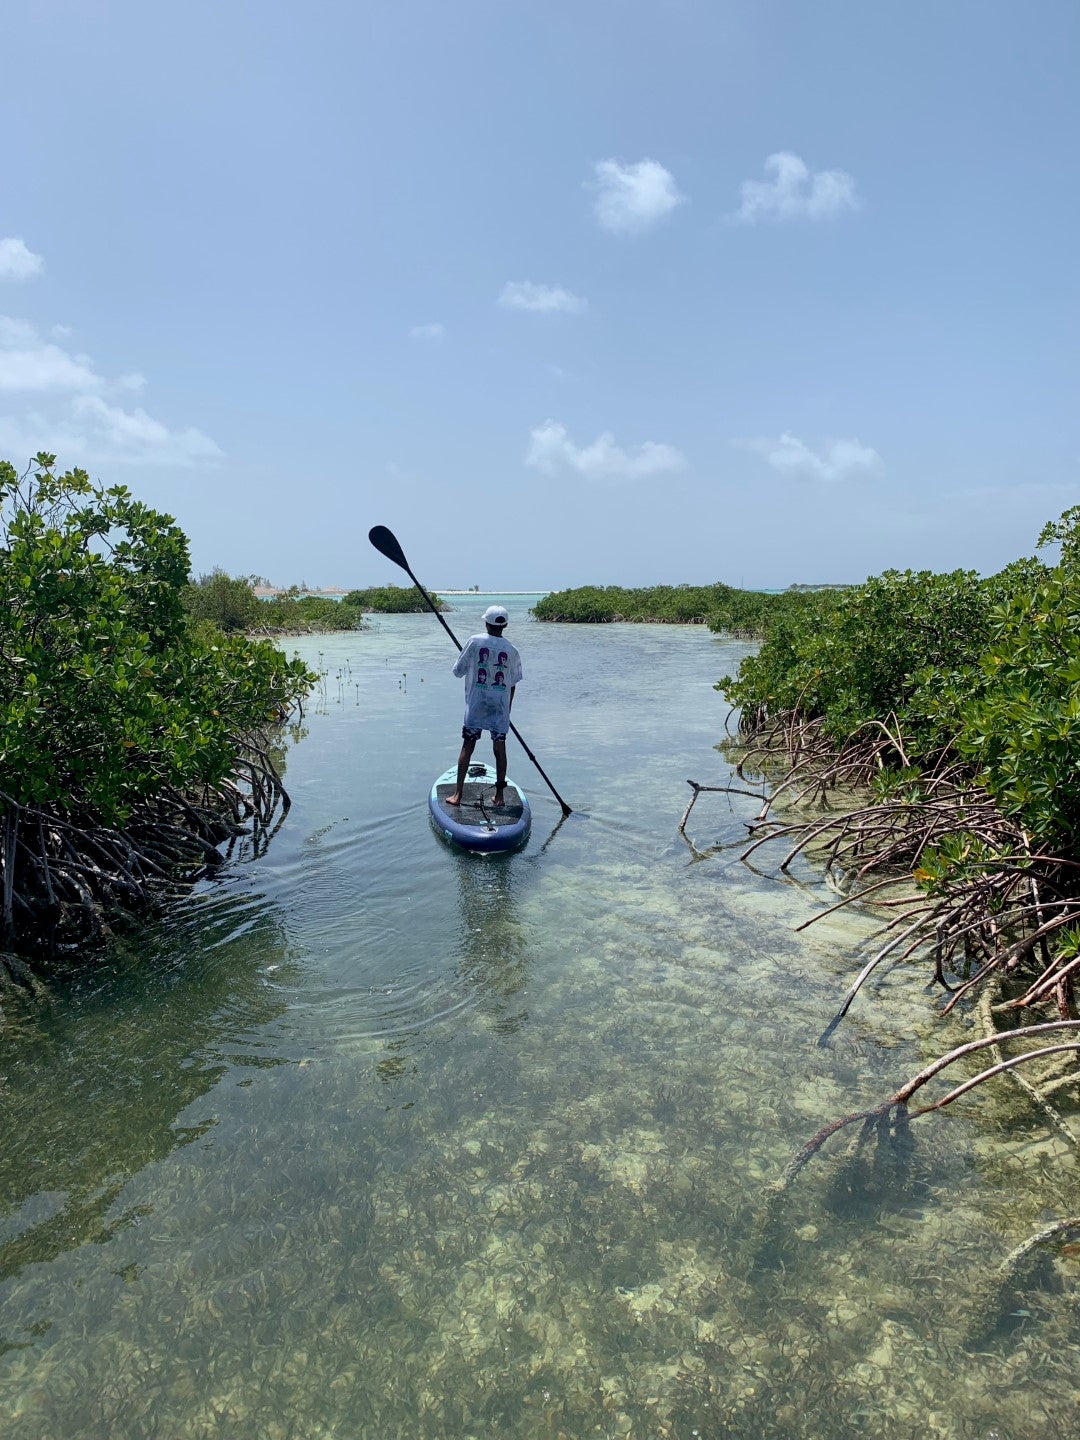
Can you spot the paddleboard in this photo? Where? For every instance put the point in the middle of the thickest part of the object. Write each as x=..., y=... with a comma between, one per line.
x=478, y=824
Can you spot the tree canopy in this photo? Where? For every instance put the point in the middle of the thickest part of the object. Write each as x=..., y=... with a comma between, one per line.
x=114, y=702
x=988, y=668
x=390, y=599
x=726, y=608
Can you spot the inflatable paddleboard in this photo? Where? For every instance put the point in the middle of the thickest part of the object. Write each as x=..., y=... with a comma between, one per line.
x=477, y=823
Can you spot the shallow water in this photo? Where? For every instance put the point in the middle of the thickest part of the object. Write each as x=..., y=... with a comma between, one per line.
x=374, y=1139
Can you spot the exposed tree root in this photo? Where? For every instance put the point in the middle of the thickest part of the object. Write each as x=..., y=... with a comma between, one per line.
x=988, y=906
x=1022, y=1269
x=1036, y=1094
x=890, y=1108
x=959, y=886
x=63, y=874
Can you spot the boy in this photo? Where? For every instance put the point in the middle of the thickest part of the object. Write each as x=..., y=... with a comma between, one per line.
x=492, y=670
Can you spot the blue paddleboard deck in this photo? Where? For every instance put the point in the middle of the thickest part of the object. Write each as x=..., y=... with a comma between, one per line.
x=478, y=823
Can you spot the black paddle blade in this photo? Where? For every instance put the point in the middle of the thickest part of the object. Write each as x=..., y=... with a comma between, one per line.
x=385, y=541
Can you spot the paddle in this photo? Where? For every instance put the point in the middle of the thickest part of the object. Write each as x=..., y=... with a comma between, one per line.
x=385, y=541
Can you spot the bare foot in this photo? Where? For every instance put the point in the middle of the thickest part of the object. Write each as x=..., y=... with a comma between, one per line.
x=498, y=799
x=453, y=799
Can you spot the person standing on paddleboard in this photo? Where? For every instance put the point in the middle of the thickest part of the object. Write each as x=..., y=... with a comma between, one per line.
x=492, y=670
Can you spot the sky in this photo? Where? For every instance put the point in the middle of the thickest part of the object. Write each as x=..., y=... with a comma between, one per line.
x=572, y=292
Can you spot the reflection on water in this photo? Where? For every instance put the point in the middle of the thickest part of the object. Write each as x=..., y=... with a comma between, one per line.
x=494, y=944
x=380, y=1139
x=93, y=1093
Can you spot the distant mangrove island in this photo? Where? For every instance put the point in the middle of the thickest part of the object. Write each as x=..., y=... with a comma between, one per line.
x=746, y=614
x=234, y=602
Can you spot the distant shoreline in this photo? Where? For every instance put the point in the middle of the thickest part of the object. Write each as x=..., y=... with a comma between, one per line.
x=441, y=590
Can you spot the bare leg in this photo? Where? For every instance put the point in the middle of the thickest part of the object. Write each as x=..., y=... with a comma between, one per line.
x=467, y=747
x=499, y=746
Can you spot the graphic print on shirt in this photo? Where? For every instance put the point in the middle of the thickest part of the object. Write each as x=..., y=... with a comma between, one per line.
x=490, y=672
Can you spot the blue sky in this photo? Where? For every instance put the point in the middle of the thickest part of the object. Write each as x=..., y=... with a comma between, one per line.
x=562, y=293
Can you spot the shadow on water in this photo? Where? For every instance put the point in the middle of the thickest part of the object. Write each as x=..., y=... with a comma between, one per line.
x=486, y=949
x=107, y=1071
x=493, y=948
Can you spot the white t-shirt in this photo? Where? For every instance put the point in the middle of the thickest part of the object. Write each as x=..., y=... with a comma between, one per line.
x=491, y=667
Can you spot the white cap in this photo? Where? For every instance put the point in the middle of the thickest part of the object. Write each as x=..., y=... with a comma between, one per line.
x=496, y=615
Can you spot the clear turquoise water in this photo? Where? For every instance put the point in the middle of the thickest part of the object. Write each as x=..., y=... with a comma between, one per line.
x=372, y=1138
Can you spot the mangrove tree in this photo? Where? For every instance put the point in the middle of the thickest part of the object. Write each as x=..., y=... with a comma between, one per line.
x=133, y=737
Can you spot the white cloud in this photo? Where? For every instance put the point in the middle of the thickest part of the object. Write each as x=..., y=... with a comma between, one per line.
x=524, y=295
x=631, y=198
x=435, y=331
x=551, y=449
x=135, y=435
x=71, y=416
x=28, y=363
x=796, y=192
x=87, y=431
x=16, y=332
x=838, y=460
x=17, y=262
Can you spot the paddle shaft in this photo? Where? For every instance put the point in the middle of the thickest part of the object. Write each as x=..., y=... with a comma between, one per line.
x=399, y=558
